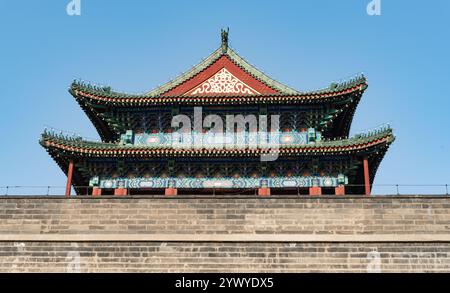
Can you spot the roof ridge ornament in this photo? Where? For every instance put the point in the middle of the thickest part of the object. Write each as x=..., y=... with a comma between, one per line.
x=224, y=35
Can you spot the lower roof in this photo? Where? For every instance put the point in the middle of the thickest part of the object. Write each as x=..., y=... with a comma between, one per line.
x=77, y=147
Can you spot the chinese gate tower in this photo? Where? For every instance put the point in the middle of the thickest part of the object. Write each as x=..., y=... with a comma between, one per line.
x=139, y=152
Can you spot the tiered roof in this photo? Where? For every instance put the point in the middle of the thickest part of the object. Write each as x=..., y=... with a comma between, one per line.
x=222, y=79
x=252, y=87
x=78, y=147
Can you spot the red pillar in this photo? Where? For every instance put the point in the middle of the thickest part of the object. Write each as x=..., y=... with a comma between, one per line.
x=69, y=178
x=96, y=191
x=339, y=190
x=170, y=191
x=264, y=191
x=315, y=190
x=120, y=191
x=366, y=176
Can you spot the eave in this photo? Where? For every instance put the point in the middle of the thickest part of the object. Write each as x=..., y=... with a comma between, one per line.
x=114, y=99
x=82, y=148
x=62, y=150
x=94, y=102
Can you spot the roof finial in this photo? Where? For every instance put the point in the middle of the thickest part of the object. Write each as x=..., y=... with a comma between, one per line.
x=224, y=34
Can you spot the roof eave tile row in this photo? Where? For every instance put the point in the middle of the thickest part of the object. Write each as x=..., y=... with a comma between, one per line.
x=312, y=97
x=93, y=149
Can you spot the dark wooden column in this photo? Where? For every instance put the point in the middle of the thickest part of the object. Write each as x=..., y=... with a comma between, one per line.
x=366, y=176
x=69, y=178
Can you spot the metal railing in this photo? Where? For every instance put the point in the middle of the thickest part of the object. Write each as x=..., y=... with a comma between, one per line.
x=377, y=189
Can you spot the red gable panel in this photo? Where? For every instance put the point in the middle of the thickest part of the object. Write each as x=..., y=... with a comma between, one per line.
x=244, y=80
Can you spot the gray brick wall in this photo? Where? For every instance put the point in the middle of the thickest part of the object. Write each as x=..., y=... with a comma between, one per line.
x=355, y=231
x=223, y=257
x=363, y=215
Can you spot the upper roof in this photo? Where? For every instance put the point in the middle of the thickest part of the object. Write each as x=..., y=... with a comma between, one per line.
x=223, y=78
x=222, y=74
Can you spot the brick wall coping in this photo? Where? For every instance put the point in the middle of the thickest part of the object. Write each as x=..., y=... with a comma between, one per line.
x=188, y=197
x=331, y=238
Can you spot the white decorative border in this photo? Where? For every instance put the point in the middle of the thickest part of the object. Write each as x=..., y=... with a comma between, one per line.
x=223, y=82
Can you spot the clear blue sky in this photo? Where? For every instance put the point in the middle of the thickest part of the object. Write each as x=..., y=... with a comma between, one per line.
x=135, y=45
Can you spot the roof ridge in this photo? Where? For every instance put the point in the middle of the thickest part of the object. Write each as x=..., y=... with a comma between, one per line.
x=196, y=69
x=236, y=59
x=258, y=74
x=213, y=57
